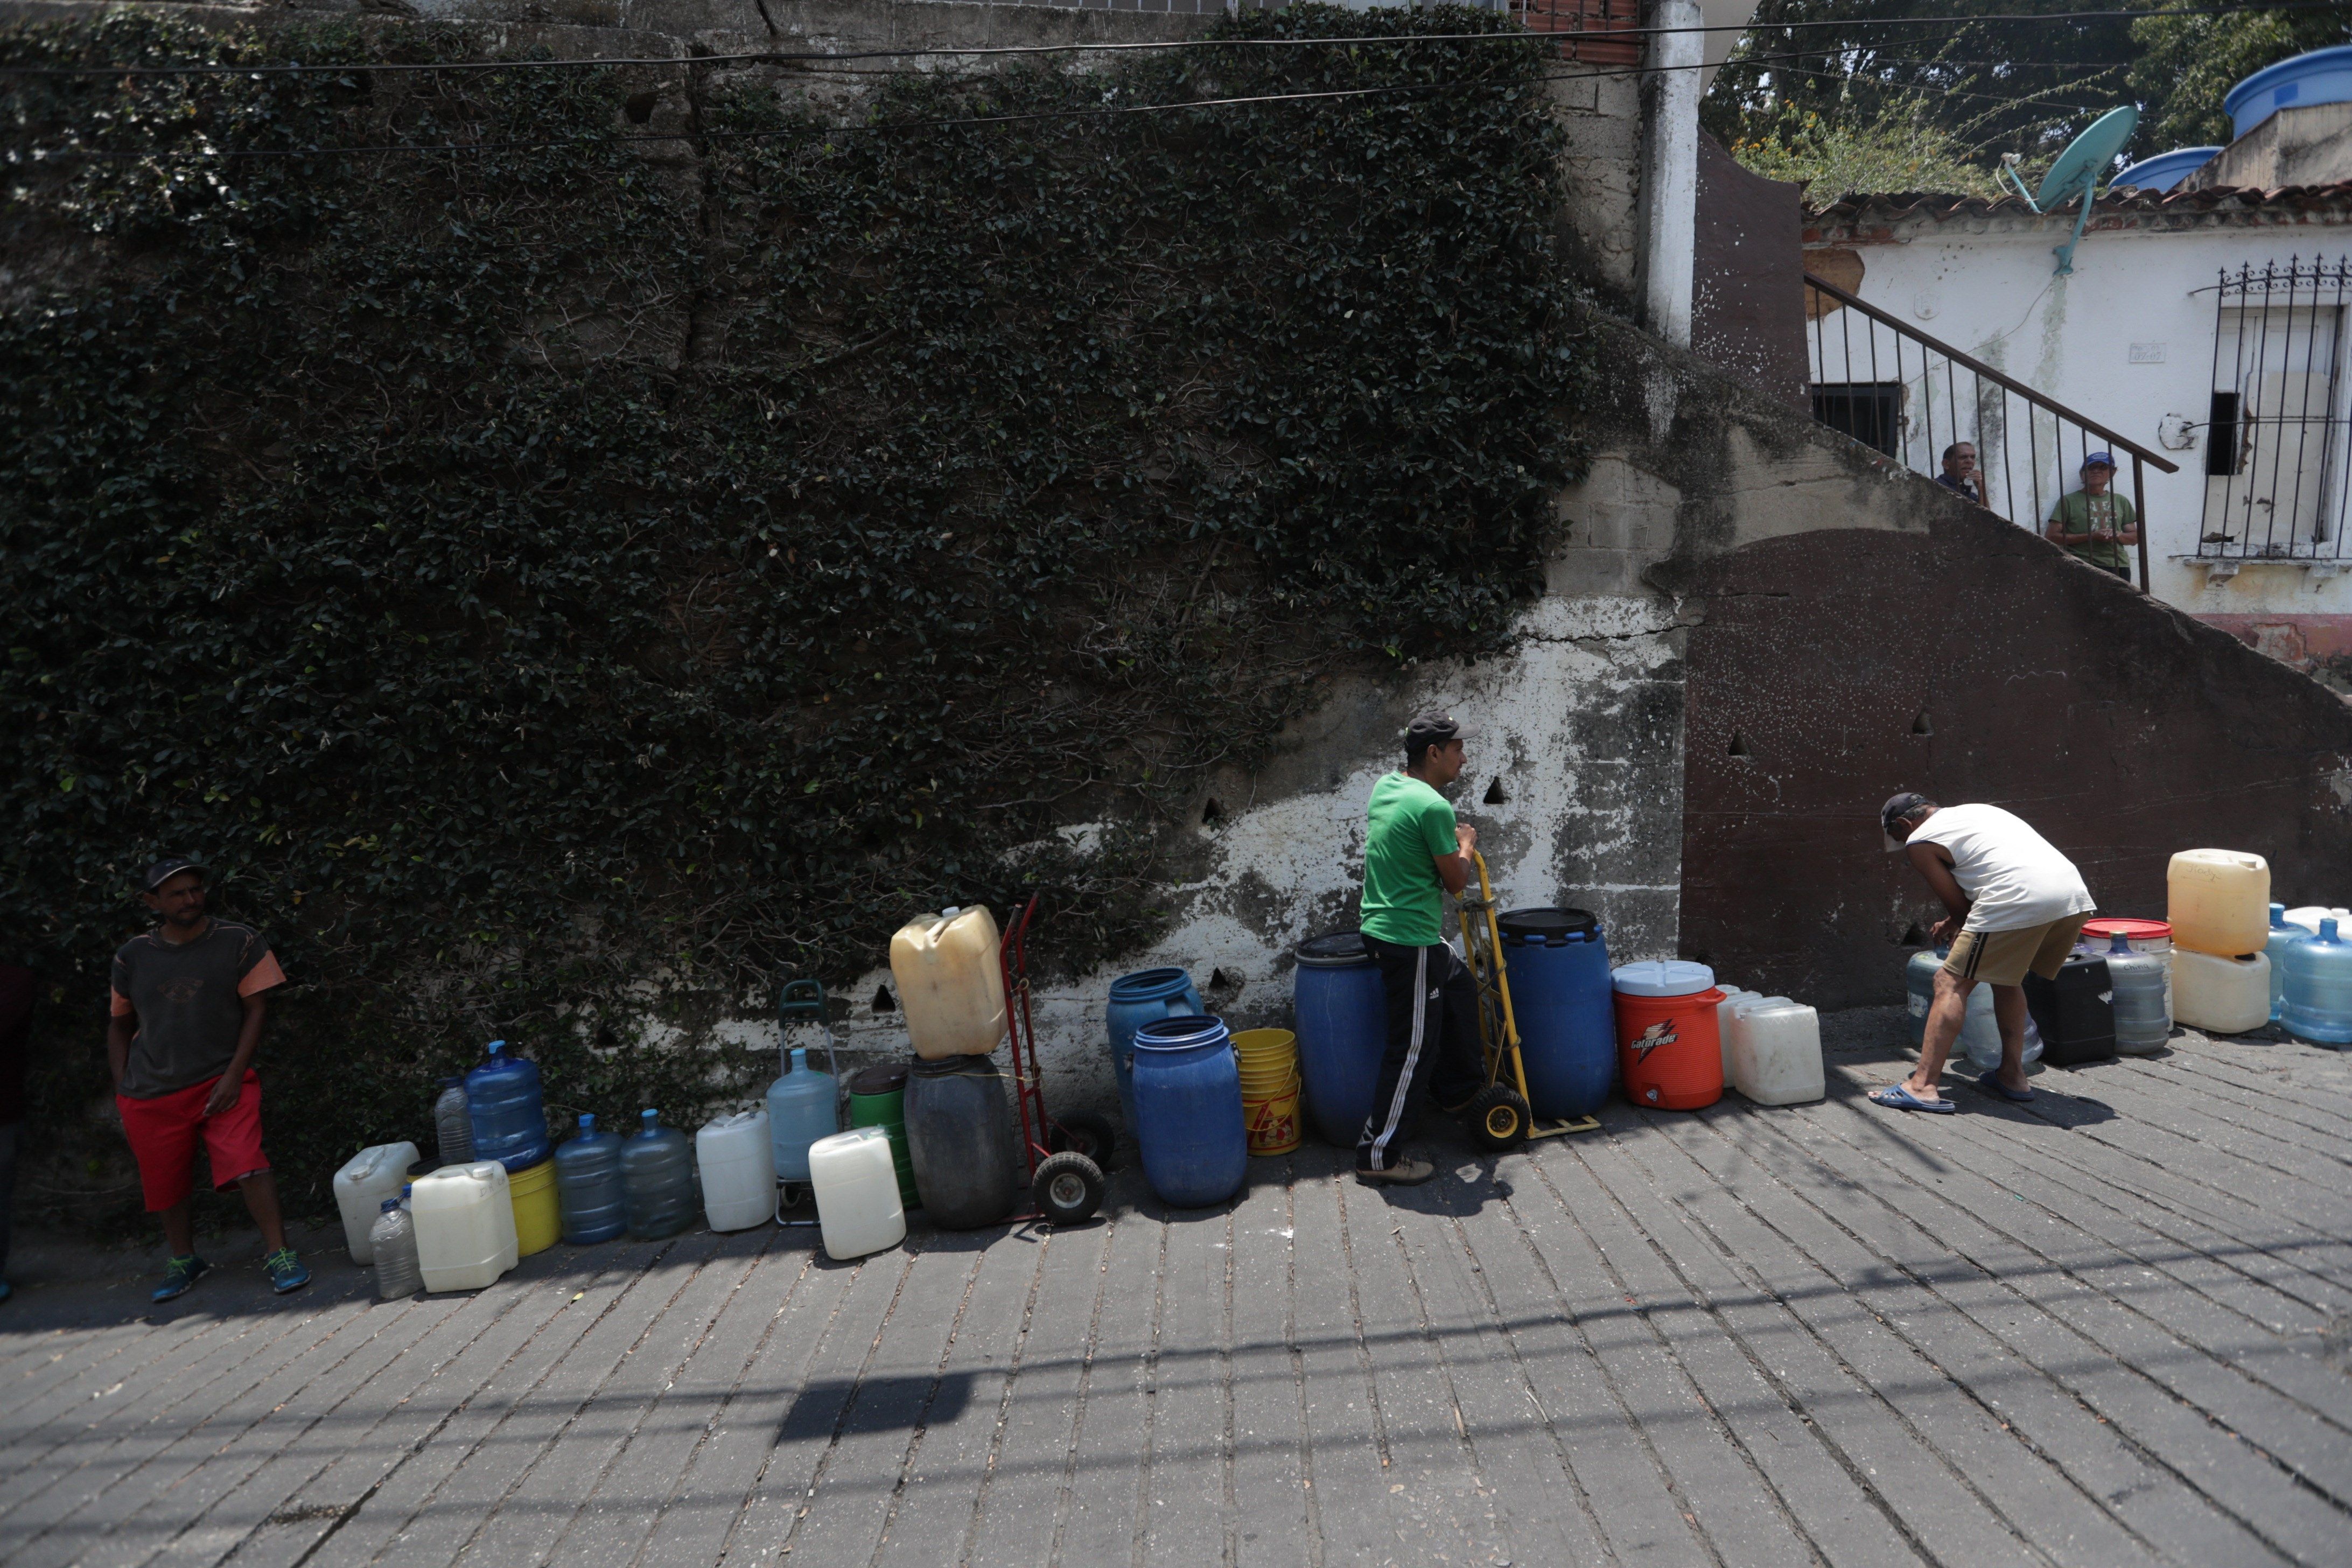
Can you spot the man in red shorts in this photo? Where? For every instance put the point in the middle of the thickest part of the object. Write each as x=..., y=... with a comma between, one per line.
x=188, y=1011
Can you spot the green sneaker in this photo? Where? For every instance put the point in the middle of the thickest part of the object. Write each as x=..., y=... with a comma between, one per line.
x=286, y=1270
x=179, y=1274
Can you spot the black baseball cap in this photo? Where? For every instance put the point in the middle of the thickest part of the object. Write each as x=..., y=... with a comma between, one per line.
x=1897, y=807
x=168, y=867
x=1433, y=728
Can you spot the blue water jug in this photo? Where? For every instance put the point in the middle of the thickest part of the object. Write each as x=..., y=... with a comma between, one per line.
x=1188, y=1111
x=2283, y=936
x=802, y=1108
x=503, y=1101
x=1557, y=966
x=588, y=1191
x=658, y=1182
x=1342, y=1022
x=2317, y=1002
x=1135, y=1000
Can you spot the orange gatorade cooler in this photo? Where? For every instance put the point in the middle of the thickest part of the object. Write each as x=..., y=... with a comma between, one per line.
x=1669, y=1054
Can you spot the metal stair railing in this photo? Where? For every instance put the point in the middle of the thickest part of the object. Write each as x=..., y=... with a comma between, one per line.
x=1911, y=396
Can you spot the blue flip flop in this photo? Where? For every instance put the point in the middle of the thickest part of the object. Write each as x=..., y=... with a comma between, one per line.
x=1990, y=1083
x=1897, y=1097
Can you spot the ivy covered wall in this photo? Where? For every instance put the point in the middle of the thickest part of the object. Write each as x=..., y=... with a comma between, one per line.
x=697, y=516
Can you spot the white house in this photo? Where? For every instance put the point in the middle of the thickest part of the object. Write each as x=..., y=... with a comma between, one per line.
x=2207, y=326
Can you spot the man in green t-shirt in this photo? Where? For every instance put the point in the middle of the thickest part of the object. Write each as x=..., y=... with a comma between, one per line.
x=1414, y=853
x=2095, y=523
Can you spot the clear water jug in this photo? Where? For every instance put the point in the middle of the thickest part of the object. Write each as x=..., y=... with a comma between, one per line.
x=510, y=1119
x=2317, y=1001
x=453, y=1123
x=657, y=1179
x=1725, y=1021
x=739, y=1171
x=1776, y=1051
x=465, y=1226
x=2219, y=901
x=362, y=1185
x=589, y=1199
x=2283, y=930
x=2138, y=981
x=1979, y=1046
x=2308, y=917
x=391, y=1242
x=951, y=986
x=2225, y=995
x=856, y=1184
x=803, y=1107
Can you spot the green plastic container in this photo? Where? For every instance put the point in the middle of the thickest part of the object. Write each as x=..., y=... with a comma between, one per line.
x=877, y=1098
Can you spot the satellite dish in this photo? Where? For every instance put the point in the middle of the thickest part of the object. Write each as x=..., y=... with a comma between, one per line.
x=2077, y=173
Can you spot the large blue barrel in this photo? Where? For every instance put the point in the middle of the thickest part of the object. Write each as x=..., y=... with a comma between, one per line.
x=1135, y=1000
x=509, y=1116
x=1343, y=1030
x=1559, y=969
x=1188, y=1105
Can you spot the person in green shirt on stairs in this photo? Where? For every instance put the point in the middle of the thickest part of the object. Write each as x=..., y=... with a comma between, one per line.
x=1414, y=852
x=2093, y=523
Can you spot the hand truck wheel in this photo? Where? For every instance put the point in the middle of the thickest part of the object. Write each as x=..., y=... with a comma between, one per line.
x=1067, y=1188
x=1499, y=1118
x=1083, y=1133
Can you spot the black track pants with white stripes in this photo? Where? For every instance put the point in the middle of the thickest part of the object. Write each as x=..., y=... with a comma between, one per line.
x=1432, y=1043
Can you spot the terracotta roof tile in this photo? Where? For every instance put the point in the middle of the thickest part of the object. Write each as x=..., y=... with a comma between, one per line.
x=1872, y=208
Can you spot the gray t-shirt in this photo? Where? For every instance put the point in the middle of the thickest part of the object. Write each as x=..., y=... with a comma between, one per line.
x=190, y=999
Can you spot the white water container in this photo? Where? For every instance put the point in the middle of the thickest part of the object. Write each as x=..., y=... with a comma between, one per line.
x=372, y=1176
x=2217, y=902
x=950, y=985
x=1732, y=996
x=857, y=1187
x=739, y=1171
x=2226, y=995
x=465, y=1226
x=1776, y=1053
x=2309, y=916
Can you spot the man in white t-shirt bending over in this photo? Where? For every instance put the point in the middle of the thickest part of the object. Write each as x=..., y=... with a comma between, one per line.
x=2016, y=905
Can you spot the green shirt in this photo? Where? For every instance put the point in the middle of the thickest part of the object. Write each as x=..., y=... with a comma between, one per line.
x=1410, y=825
x=2078, y=511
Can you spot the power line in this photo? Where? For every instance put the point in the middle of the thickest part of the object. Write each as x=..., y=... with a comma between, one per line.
x=775, y=57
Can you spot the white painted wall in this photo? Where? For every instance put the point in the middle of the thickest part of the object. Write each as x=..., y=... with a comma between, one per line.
x=2093, y=341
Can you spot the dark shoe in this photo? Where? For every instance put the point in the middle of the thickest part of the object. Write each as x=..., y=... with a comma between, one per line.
x=179, y=1276
x=4, y=1291
x=1405, y=1172
x=286, y=1270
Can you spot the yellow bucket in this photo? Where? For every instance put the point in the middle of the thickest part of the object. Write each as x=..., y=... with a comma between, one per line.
x=538, y=1223
x=1267, y=1050
x=1272, y=1119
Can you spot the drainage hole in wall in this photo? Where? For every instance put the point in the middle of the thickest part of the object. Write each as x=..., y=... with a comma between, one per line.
x=1495, y=795
x=882, y=1002
x=1920, y=726
x=1739, y=747
x=1213, y=813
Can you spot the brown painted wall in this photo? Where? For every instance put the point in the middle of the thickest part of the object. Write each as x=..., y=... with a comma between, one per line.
x=1972, y=661
x=1747, y=307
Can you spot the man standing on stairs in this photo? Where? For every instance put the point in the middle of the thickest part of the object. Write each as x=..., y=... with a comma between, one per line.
x=2016, y=906
x=2095, y=525
x=1414, y=853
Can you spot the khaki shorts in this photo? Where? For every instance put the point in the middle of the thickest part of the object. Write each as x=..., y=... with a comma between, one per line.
x=2002, y=957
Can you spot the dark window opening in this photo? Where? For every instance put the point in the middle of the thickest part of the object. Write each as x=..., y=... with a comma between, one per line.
x=1869, y=411
x=2221, y=453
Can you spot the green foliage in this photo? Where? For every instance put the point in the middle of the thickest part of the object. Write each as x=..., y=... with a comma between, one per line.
x=2189, y=64
x=1901, y=152
x=585, y=576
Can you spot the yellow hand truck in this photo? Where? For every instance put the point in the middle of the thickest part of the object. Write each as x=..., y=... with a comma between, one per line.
x=1497, y=1115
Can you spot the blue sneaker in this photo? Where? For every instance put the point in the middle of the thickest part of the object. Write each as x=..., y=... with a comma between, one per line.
x=286, y=1270
x=179, y=1276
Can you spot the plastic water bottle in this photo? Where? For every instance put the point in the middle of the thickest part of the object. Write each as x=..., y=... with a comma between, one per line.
x=2317, y=1001
x=453, y=1123
x=2143, y=1020
x=588, y=1189
x=393, y=1239
x=657, y=1179
x=2284, y=934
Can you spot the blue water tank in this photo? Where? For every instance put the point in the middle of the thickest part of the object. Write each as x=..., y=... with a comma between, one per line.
x=1188, y=1111
x=2164, y=170
x=2317, y=1002
x=510, y=1118
x=2323, y=75
x=1135, y=1000
x=1557, y=966
x=1342, y=1016
x=588, y=1193
x=803, y=1107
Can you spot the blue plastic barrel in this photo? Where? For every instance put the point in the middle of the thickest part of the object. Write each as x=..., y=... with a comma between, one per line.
x=1557, y=966
x=1135, y=1000
x=1188, y=1105
x=503, y=1101
x=588, y=1193
x=1342, y=1019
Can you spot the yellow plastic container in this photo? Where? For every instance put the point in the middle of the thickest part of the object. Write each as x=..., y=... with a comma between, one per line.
x=2218, y=901
x=1272, y=1121
x=951, y=987
x=538, y=1223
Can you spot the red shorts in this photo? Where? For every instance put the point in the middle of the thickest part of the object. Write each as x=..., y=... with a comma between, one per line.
x=163, y=1131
